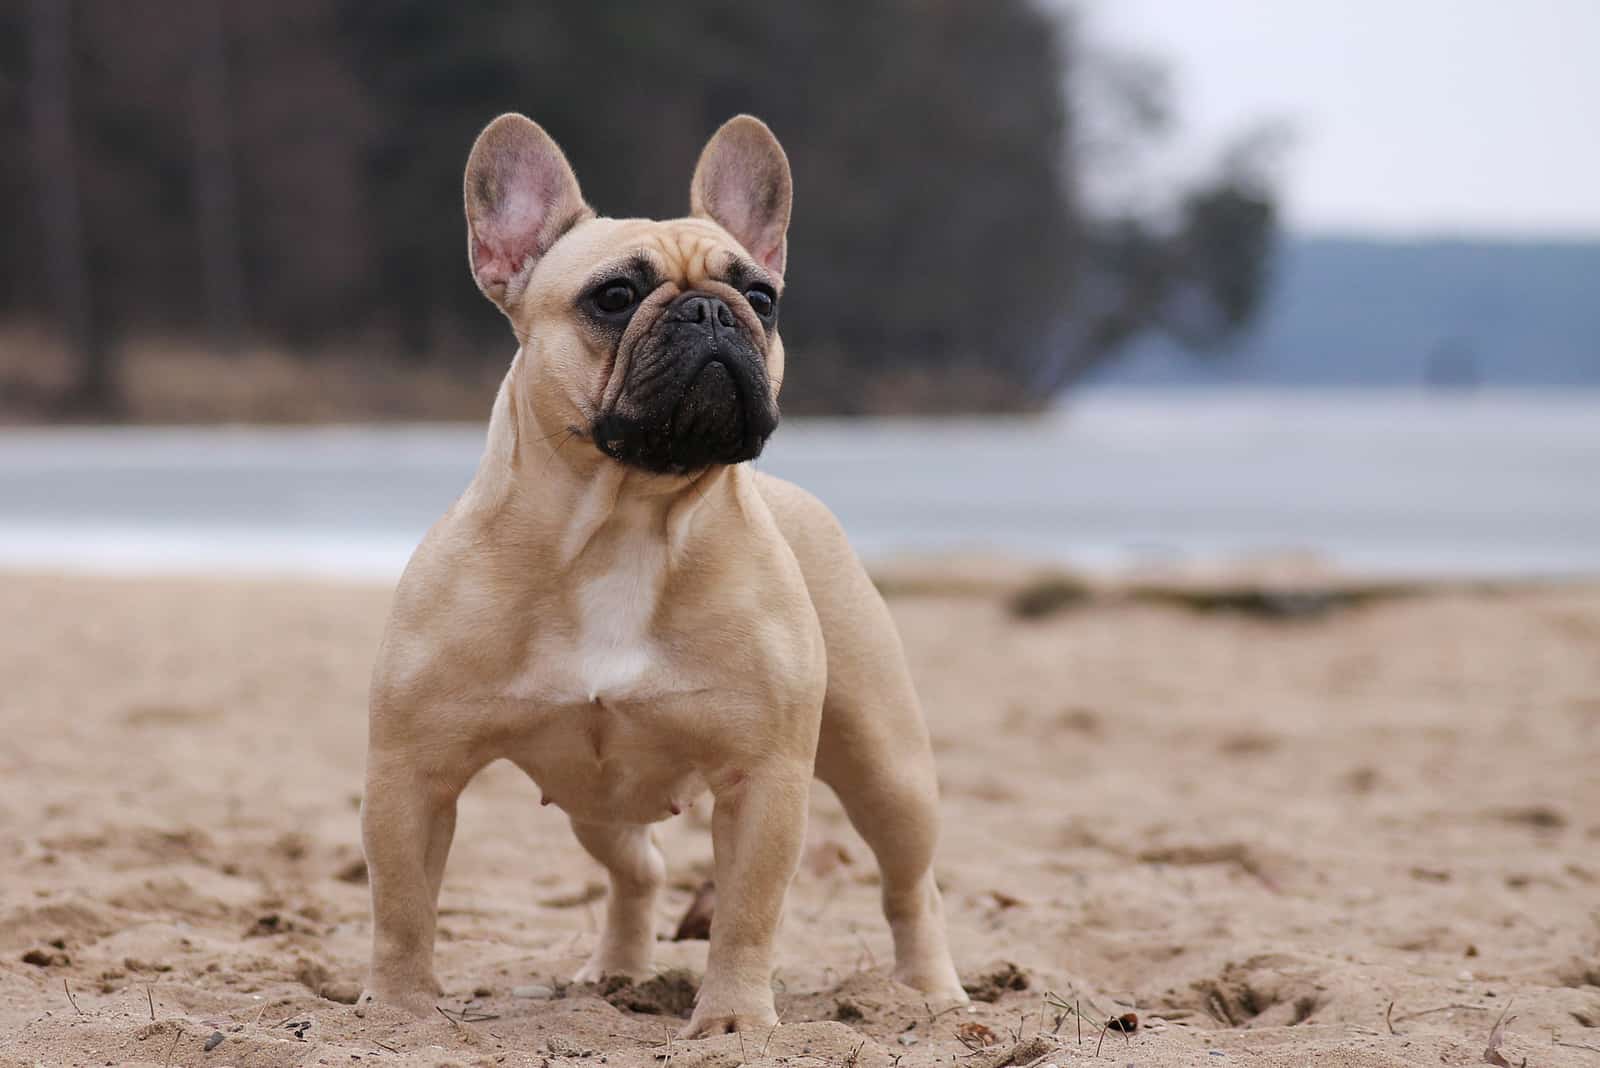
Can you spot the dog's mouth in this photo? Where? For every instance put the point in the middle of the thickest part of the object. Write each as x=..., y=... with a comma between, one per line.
x=720, y=415
x=696, y=394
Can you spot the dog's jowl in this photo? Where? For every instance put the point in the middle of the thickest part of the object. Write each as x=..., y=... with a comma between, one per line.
x=620, y=605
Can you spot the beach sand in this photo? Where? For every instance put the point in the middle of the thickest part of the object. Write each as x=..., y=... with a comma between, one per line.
x=1348, y=840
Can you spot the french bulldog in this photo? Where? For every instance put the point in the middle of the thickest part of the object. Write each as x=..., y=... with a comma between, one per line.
x=620, y=605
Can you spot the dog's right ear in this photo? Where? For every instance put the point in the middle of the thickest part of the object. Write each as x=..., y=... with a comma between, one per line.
x=521, y=197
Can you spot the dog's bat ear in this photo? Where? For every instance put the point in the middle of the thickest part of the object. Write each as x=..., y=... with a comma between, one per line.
x=742, y=183
x=521, y=197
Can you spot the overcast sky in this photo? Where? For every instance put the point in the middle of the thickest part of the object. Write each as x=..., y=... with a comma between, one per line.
x=1476, y=116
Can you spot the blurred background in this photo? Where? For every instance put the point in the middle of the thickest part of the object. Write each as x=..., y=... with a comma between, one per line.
x=1112, y=284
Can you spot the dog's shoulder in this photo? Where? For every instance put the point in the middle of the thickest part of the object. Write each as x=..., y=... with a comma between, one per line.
x=806, y=523
x=834, y=575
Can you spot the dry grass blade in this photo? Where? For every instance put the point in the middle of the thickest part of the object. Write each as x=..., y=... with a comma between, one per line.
x=1441, y=1008
x=176, y=1034
x=466, y=1016
x=872, y=960
x=1127, y=1023
x=1497, y=1035
x=70, y=998
x=1576, y=1045
x=1056, y=1001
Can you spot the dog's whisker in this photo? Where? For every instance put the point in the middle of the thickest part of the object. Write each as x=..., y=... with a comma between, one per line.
x=570, y=434
x=558, y=433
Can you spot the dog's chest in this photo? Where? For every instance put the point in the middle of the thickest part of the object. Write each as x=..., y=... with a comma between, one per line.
x=614, y=648
x=598, y=742
x=606, y=650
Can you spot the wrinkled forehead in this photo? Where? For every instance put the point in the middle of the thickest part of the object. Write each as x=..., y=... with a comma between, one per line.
x=685, y=252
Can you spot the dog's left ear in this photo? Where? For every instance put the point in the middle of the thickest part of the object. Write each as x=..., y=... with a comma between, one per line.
x=742, y=183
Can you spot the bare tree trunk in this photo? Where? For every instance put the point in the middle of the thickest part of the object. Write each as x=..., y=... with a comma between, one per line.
x=215, y=204
x=56, y=174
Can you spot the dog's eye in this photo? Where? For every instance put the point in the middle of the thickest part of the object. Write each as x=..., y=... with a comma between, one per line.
x=614, y=297
x=763, y=301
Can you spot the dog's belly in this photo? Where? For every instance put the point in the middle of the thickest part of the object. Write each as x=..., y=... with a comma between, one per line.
x=603, y=764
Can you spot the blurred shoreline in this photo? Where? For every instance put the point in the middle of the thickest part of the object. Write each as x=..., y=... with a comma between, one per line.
x=1463, y=485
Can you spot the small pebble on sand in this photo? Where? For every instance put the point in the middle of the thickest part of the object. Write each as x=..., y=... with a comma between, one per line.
x=533, y=990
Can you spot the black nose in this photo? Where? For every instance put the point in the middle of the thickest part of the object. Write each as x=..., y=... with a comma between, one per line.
x=703, y=308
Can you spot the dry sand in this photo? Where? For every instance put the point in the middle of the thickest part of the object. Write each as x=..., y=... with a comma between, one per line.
x=1257, y=835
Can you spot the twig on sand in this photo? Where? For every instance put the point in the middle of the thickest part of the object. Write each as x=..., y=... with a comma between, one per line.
x=1442, y=1008
x=466, y=1016
x=872, y=961
x=1056, y=1001
x=176, y=1034
x=70, y=998
x=1103, y=1028
x=768, y=1042
x=1388, y=1018
x=1576, y=1045
x=855, y=1055
x=666, y=1058
x=743, y=1056
x=383, y=1045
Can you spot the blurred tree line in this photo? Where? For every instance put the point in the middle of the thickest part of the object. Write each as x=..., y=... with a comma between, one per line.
x=290, y=173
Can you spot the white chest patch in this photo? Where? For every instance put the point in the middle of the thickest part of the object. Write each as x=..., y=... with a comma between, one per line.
x=614, y=613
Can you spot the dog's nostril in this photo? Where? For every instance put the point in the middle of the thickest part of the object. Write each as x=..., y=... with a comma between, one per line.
x=710, y=311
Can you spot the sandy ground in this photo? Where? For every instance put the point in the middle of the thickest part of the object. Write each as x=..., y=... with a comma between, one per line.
x=1348, y=841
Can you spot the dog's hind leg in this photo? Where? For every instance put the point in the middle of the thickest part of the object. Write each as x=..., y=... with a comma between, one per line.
x=891, y=797
x=630, y=855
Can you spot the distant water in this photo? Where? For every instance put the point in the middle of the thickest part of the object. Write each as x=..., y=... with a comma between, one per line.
x=1375, y=482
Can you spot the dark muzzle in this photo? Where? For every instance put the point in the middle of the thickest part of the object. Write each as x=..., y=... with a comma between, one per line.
x=696, y=393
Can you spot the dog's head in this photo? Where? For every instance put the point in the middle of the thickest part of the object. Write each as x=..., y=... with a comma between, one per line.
x=657, y=341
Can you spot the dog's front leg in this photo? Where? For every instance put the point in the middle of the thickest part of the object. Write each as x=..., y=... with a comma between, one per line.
x=757, y=828
x=408, y=818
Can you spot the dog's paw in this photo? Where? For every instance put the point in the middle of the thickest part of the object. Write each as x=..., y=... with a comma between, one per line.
x=419, y=1003
x=714, y=1015
x=597, y=969
x=939, y=985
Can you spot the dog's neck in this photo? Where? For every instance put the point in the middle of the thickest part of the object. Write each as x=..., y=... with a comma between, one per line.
x=551, y=491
